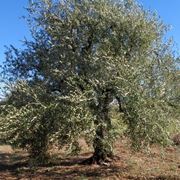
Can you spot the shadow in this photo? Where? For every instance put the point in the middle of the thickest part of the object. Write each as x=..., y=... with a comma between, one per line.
x=82, y=171
x=12, y=167
x=18, y=167
x=11, y=162
x=67, y=161
x=72, y=168
x=68, y=168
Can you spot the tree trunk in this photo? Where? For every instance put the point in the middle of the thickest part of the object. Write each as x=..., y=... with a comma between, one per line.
x=39, y=146
x=101, y=143
x=102, y=147
x=40, y=142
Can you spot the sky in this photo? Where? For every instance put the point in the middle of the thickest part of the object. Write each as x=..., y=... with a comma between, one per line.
x=13, y=27
x=169, y=12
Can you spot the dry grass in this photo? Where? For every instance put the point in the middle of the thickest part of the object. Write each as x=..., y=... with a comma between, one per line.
x=159, y=164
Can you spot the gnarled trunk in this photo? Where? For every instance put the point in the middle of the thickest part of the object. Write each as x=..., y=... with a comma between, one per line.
x=101, y=144
x=102, y=147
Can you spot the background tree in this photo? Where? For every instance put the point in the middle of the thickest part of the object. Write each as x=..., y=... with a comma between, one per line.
x=84, y=56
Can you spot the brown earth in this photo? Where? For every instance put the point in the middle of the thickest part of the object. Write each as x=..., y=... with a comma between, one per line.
x=158, y=164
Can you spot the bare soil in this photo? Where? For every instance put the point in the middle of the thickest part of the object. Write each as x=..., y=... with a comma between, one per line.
x=158, y=164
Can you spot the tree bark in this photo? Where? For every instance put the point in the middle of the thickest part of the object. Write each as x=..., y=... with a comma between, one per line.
x=101, y=144
x=39, y=148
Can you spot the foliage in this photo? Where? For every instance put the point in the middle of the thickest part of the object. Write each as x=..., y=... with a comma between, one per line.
x=32, y=119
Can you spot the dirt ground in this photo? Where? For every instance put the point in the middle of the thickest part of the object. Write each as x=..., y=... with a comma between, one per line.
x=158, y=164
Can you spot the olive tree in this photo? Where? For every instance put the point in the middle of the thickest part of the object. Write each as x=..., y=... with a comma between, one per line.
x=86, y=55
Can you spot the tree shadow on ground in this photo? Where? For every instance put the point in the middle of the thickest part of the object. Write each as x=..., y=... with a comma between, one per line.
x=16, y=166
x=77, y=172
x=11, y=162
x=68, y=168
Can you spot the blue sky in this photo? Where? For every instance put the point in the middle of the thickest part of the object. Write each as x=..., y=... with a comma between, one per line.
x=169, y=12
x=13, y=28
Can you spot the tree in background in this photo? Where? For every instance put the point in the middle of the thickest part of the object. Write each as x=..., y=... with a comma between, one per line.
x=84, y=56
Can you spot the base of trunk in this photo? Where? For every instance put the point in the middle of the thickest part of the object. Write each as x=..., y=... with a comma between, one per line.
x=100, y=160
x=39, y=159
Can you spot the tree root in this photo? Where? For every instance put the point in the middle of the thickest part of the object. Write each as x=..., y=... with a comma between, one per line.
x=99, y=160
